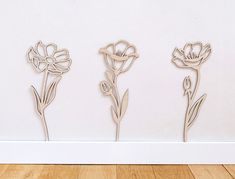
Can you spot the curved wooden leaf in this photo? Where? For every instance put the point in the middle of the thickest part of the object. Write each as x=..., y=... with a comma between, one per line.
x=51, y=92
x=114, y=115
x=37, y=100
x=194, y=110
x=124, y=103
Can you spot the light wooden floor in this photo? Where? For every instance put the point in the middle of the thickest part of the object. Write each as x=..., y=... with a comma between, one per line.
x=117, y=171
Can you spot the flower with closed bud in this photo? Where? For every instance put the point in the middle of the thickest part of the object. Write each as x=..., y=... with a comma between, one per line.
x=187, y=84
x=106, y=88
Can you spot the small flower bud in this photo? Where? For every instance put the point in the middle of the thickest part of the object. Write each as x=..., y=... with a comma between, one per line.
x=105, y=88
x=187, y=83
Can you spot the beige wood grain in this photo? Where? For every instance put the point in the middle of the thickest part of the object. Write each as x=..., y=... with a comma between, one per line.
x=135, y=172
x=230, y=169
x=3, y=169
x=97, y=172
x=210, y=172
x=119, y=171
x=40, y=171
x=60, y=171
x=172, y=172
x=21, y=171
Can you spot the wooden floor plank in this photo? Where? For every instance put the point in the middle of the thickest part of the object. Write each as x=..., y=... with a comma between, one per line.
x=230, y=169
x=135, y=172
x=21, y=171
x=97, y=172
x=60, y=172
x=40, y=172
x=119, y=171
x=3, y=169
x=209, y=172
x=172, y=172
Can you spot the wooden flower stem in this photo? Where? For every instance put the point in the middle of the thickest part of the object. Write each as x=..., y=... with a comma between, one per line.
x=190, y=99
x=42, y=115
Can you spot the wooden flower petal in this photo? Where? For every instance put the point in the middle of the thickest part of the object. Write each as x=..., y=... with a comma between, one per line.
x=197, y=48
x=40, y=49
x=178, y=54
x=179, y=62
x=51, y=49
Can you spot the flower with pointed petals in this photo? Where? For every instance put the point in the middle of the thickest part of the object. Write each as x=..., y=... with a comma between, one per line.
x=50, y=58
x=191, y=56
x=119, y=56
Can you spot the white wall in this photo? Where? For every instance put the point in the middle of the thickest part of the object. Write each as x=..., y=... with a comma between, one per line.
x=156, y=107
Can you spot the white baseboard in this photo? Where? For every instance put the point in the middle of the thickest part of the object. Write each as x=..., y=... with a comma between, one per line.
x=116, y=153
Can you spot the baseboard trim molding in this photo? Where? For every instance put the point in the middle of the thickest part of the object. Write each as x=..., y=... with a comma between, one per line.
x=32, y=152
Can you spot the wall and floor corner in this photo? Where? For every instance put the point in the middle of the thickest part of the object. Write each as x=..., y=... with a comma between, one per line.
x=79, y=120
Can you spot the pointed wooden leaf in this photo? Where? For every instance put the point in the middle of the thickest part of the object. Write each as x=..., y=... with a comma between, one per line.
x=51, y=92
x=124, y=103
x=194, y=110
x=37, y=100
x=114, y=115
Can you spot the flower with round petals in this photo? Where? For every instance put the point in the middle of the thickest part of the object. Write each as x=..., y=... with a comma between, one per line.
x=119, y=56
x=49, y=58
x=191, y=56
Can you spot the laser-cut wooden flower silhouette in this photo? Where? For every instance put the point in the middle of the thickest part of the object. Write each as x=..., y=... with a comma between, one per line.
x=192, y=56
x=118, y=57
x=50, y=60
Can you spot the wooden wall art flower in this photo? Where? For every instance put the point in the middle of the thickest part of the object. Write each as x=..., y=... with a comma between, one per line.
x=192, y=56
x=53, y=62
x=118, y=57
